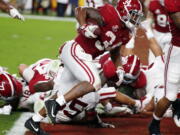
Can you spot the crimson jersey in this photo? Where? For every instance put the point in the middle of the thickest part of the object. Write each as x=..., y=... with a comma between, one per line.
x=113, y=33
x=173, y=6
x=40, y=73
x=9, y=85
x=160, y=16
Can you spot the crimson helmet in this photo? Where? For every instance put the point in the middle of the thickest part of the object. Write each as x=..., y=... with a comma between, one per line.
x=9, y=85
x=130, y=12
x=131, y=66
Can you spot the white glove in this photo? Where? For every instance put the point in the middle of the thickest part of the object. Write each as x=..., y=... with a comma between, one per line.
x=120, y=109
x=6, y=110
x=88, y=30
x=120, y=74
x=14, y=13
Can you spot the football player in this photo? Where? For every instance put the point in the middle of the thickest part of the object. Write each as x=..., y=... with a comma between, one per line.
x=108, y=33
x=41, y=71
x=172, y=66
x=76, y=110
x=11, y=89
x=159, y=15
x=13, y=12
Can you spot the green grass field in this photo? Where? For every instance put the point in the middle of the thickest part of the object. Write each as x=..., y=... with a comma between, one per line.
x=27, y=42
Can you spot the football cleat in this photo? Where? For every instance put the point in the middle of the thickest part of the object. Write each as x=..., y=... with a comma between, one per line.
x=154, y=127
x=34, y=127
x=52, y=108
x=176, y=112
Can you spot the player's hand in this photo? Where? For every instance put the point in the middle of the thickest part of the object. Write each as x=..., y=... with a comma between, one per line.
x=120, y=74
x=89, y=30
x=14, y=13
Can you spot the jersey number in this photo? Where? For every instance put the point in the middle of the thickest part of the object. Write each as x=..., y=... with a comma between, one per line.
x=75, y=107
x=106, y=43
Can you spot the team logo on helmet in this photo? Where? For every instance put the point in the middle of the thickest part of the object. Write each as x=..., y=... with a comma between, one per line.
x=131, y=66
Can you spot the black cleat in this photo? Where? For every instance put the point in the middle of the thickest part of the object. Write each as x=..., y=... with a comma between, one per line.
x=154, y=127
x=52, y=108
x=176, y=112
x=34, y=127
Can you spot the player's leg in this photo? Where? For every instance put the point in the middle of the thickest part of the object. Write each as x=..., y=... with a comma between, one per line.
x=33, y=123
x=172, y=84
x=81, y=66
x=26, y=72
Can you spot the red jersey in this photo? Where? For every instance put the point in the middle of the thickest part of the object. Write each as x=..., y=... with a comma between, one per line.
x=9, y=85
x=160, y=16
x=173, y=6
x=40, y=73
x=113, y=33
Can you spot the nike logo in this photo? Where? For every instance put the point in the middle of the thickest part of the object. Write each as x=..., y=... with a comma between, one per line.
x=52, y=112
x=36, y=129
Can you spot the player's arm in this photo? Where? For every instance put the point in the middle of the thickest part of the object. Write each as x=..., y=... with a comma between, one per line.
x=115, y=56
x=176, y=18
x=153, y=45
x=83, y=13
x=11, y=10
x=44, y=86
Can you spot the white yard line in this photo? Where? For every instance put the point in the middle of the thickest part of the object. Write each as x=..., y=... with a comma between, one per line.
x=18, y=127
x=49, y=18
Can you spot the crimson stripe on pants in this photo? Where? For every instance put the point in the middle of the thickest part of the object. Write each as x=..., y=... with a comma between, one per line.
x=166, y=68
x=81, y=63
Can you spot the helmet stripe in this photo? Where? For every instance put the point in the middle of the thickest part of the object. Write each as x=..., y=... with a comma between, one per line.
x=133, y=65
x=11, y=84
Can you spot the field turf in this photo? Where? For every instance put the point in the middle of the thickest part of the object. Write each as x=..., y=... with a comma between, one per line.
x=27, y=42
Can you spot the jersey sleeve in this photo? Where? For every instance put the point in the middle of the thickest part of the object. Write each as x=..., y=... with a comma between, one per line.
x=172, y=5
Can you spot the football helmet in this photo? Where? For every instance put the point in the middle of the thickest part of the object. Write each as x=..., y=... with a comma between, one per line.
x=130, y=12
x=9, y=85
x=131, y=66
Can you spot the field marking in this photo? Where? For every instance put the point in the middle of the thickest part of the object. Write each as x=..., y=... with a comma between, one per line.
x=49, y=18
x=18, y=127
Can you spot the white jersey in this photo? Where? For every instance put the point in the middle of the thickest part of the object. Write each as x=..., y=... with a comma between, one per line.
x=46, y=67
x=76, y=110
x=94, y=3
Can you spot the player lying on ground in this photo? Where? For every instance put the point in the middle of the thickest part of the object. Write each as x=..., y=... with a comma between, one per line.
x=14, y=89
x=78, y=106
x=107, y=34
x=10, y=10
x=11, y=88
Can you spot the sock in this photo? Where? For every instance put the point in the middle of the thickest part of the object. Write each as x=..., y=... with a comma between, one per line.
x=156, y=117
x=37, y=117
x=60, y=100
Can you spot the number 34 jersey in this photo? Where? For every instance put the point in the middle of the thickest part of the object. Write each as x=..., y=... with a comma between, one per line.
x=113, y=33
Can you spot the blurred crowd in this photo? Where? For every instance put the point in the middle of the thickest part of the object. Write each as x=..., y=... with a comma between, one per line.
x=58, y=7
